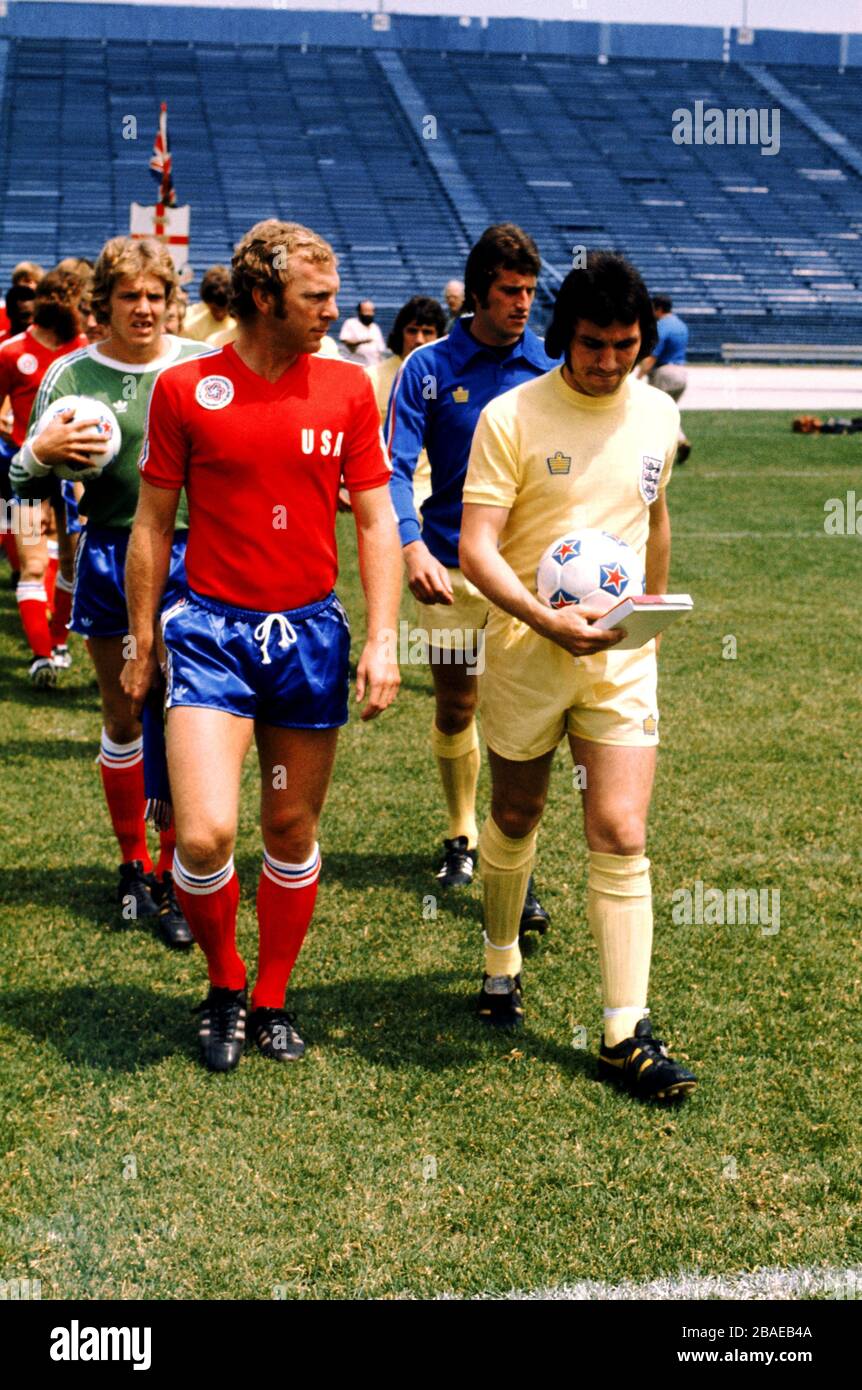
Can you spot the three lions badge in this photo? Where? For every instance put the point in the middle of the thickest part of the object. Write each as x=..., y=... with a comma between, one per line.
x=649, y=479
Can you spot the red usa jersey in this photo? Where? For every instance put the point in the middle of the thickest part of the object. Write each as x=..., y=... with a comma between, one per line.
x=261, y=463
x=23, y=363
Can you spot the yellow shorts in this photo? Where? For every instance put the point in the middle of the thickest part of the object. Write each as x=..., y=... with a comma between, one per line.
x=456, y=626
x=531, y=693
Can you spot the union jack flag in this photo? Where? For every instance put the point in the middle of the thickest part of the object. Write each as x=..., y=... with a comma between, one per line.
x=161, y=162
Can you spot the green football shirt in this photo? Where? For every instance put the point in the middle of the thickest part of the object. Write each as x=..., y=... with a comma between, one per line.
x=111, y=498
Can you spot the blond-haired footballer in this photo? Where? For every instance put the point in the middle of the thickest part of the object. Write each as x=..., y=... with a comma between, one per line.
x=586, y=445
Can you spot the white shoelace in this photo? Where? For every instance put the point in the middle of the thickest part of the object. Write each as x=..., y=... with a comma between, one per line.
x=263, y=630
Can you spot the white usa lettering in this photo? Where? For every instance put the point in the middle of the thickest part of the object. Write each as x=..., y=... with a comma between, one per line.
x=326, y=445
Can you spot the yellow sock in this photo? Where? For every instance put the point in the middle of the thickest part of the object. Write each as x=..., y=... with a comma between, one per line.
x=458, y=759
x=505, y=866
x=619, y=911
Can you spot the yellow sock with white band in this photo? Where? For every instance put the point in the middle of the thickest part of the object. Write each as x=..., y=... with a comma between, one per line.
x=619, y=911
x=458, y=759
x=505, y=865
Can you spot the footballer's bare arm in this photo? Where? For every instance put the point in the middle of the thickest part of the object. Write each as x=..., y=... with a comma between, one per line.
x=148, y=562
x=484, y=566
x=658, y=551
x=658, y=546
x=380, y=571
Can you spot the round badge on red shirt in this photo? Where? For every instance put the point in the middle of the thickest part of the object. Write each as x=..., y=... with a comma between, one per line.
x=214, y=392
x=27, y=364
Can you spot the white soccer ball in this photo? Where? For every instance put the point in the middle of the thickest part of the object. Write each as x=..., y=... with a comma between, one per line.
x=85, y=408
x=589, y=567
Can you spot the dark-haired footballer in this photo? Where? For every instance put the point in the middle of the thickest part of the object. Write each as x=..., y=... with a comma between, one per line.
x=435, y=404
x=584, y=446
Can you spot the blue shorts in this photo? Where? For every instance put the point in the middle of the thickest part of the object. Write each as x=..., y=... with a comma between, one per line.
x=99, y=599
x=73, y=519
x=287, y=669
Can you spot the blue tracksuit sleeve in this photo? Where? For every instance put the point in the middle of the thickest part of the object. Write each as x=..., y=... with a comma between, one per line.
x=405, y=437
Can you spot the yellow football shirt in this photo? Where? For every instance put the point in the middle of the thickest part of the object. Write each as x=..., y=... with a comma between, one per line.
x=561, y=461
x=201, y=324
x=382, y=376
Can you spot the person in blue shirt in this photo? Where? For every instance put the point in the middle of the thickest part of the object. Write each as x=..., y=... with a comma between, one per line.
x=665, y=366
x=436, y=401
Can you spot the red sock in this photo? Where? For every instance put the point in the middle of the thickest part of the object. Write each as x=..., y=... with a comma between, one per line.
x=167, y=845
x=62, y=611
x=122, y=767
x=51, y=572
x=10, y=549
x=33, y=607
x=285, y=902
x=209, y=904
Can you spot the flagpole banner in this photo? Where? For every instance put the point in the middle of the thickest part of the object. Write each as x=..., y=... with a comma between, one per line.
x=165, y=221
x=161, y=162
x=168, y=225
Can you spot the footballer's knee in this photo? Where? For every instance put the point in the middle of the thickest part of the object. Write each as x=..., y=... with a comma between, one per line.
x=33, y=567
x=623, y=835
x=455, y=710
x=206, y=850
x=289, y=834
x=518, y=819
x=121, y=726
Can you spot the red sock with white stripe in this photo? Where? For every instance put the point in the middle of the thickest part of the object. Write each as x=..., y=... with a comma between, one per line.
x=122, y=768
x=33, y=607
x=209, y=904
x=51, y=571
x=61, y=612
x=167, y=845
x=285, y=902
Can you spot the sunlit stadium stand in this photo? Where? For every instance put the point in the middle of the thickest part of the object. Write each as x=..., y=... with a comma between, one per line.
x=754, y=248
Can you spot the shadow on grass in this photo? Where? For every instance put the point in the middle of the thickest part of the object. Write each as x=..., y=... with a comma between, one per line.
x=424, y=1022
x=52, y=747
x=16, y=689
x=402, y=873
x=107, y=1027
x=89, y=889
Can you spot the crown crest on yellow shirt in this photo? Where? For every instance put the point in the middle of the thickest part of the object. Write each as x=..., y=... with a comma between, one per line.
x=559, y=462
x=460, y=395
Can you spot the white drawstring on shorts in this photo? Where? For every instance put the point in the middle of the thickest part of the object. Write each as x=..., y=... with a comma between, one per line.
x=262, y=631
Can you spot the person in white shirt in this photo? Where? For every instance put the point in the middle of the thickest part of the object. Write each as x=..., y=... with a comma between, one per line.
x=361, y=336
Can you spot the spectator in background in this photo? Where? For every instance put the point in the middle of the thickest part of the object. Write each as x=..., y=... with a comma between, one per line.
x=420, y=320
x=26, y=275
x=665, y=365
x=175, y=314
x=212, y=315
x=361, y=336
x=20, y=308
x=454, y=296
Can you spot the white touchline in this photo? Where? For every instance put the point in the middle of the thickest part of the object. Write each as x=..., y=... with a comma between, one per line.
x=811, y=535
x=760, y=1286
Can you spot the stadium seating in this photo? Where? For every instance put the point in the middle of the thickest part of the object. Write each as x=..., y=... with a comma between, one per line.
x=753, y=248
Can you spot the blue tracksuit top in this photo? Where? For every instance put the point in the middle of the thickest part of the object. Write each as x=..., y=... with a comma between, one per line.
x=672, y=341
x=436, y=402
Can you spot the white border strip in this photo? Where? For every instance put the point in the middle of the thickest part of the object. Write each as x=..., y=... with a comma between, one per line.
x=760, y=1286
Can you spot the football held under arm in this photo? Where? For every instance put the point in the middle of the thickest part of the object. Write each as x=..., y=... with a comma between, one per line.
x=490, y=490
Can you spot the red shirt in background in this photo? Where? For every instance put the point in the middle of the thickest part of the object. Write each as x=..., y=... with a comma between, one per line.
x=23, y=363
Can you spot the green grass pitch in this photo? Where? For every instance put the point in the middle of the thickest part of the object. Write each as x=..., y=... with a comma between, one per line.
x=410, y=1153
